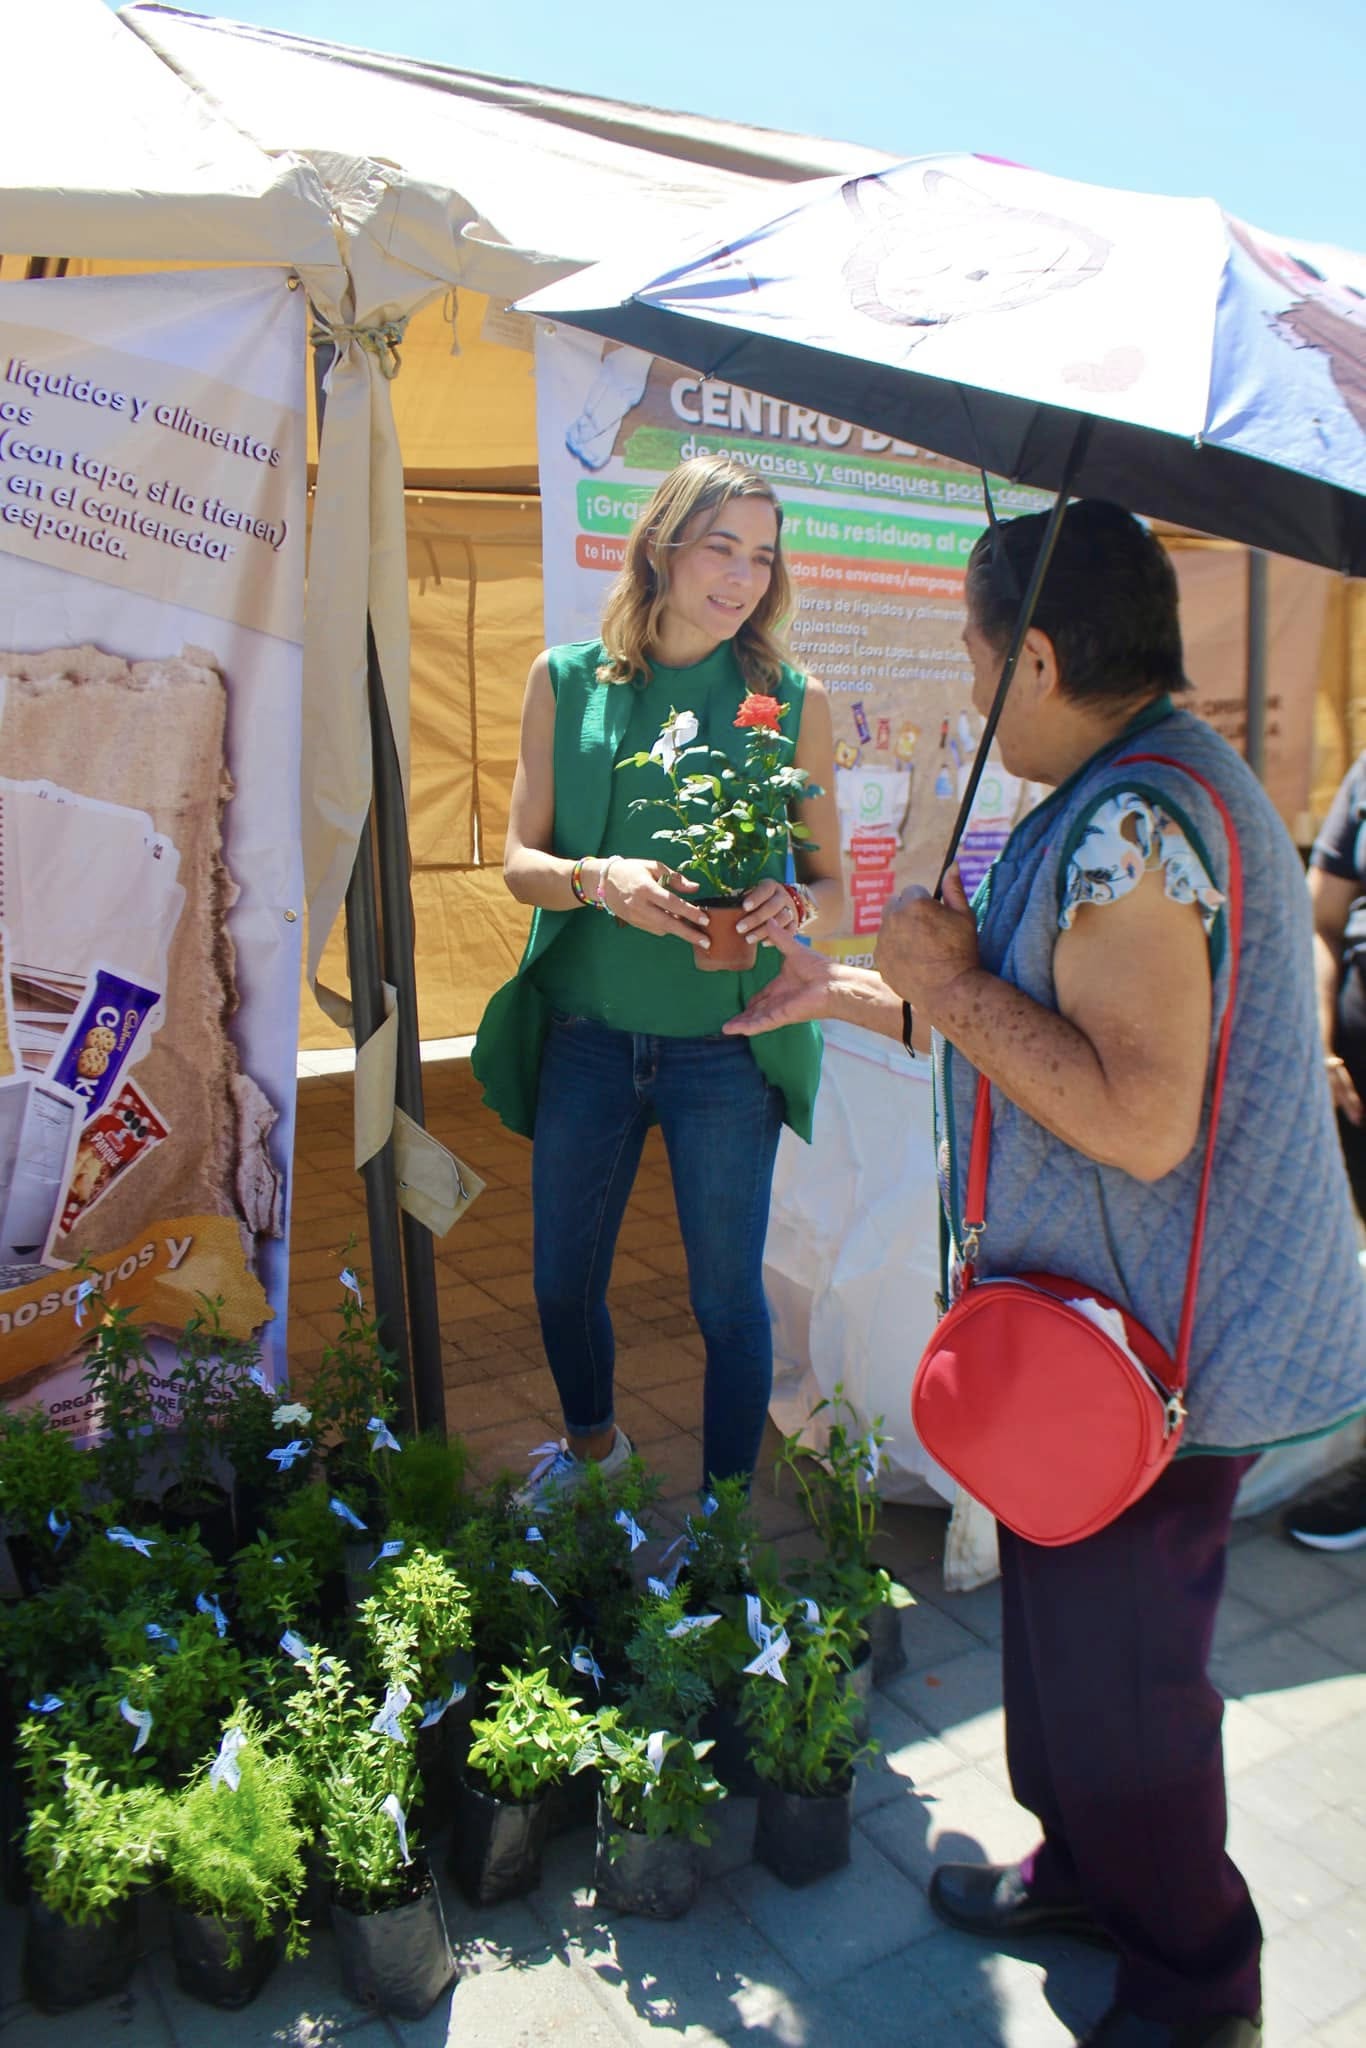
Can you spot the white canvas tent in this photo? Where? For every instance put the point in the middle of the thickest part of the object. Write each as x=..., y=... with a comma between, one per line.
x=157, y=139
x=413, y=202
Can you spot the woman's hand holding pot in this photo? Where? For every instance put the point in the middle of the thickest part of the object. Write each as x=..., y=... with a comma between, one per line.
x=645, y=893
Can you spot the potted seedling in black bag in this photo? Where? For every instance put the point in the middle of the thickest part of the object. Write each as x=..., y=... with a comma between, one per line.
x=802, y=1721
x=233, y=1857
x=534, y=1738
x=418, y=1620
x=360, y=1754
x=90, y=1846
x=652, y=1808
x=836, y=1467
x=351, y=1403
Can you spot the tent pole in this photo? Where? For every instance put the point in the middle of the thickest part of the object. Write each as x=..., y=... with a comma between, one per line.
x=367, y=1004
x=378, y=1172
x=1258, y=626
x=396, y=910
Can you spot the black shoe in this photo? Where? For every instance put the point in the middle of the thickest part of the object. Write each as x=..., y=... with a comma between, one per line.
x=1121, y=2028
x=992, y=1899
x=1333, y=1519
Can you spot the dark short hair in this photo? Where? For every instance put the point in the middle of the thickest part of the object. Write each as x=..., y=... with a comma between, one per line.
x=1108, y=603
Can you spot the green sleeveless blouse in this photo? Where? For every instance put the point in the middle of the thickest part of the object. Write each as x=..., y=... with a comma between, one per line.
x=584, y=963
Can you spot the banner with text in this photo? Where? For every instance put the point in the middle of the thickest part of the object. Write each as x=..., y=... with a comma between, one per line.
x=152, y=478
x=876, y=534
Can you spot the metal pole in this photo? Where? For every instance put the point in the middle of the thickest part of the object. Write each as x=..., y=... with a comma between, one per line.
x=367, y=1004
x=396, y=909
x=1258, y=624
x=378, y=1173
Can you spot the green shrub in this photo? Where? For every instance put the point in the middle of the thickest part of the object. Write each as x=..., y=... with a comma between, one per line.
x=656, y=1784
x=355, y=1380
x=534, y=1739
x=804, y=1735
x=425, y=1486
x=415, y=1621
x=120, y=1375
x=42, y=1473
x=89, y=1844
x=235, y=1851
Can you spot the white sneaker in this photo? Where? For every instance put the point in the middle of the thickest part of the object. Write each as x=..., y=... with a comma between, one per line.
x=560, y=1472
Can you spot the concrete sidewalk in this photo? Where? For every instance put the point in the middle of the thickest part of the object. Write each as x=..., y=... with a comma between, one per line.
x=857, y=1961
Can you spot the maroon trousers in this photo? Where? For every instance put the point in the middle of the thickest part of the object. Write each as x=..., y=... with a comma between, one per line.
x=1113, y=1740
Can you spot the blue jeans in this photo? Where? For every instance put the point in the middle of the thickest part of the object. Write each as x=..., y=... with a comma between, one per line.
x=600, y=1091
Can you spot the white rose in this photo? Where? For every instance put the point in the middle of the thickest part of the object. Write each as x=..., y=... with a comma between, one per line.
x=681, y=730
x=291, y=1412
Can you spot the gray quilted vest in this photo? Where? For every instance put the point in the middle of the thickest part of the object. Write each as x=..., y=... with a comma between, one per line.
x=1279, y=1349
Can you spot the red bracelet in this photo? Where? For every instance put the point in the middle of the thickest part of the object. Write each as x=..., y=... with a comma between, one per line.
x=801, y=903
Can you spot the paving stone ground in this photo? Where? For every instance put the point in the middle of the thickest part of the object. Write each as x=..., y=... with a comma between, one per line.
x=857, y=1960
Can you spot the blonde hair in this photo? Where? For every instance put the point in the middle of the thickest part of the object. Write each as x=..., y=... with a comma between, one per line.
x=635, y=604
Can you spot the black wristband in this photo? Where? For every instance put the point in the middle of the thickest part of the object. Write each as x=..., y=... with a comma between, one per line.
x=907, y=1028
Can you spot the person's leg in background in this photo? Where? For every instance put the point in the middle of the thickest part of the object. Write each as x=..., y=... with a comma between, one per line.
x=720, y=1119
x=591, y=1119
x=1118, y=1630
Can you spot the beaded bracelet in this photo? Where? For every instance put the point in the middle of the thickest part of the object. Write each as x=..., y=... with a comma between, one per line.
x=576, y=882
x=801, y=903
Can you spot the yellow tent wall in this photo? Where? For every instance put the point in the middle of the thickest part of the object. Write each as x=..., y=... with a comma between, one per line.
x=464, y=402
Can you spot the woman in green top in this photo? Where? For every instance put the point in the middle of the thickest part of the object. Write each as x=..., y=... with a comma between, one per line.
x=609, y=1026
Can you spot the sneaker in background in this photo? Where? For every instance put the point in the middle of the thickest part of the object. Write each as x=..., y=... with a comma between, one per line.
x=1334, y=1519
x=561, y=1472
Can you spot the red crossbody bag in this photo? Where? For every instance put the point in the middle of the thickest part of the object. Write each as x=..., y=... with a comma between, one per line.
x=1038, y=1411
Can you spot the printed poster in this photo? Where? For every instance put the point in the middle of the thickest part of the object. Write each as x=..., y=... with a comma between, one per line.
x=152, y=478
x=877, y=536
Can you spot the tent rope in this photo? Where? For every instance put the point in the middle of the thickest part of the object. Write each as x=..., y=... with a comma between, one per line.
x=382, y=339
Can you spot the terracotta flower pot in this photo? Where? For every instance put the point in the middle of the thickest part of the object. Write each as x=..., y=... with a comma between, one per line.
x=729, y=952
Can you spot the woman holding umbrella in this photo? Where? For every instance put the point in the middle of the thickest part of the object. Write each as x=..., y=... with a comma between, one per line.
x=1087, y=983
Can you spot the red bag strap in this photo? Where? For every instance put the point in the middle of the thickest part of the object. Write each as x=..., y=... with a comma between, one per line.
x=979, y=1159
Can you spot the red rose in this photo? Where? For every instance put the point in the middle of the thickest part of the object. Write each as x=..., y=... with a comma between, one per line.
x=765, y=712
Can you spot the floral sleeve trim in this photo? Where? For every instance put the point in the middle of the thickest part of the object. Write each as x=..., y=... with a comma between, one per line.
x=1127, y=836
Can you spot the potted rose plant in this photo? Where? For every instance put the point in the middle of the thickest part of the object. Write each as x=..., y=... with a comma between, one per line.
x=728, y=823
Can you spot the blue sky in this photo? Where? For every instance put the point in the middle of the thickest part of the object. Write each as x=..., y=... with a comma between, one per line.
x=1256, y=103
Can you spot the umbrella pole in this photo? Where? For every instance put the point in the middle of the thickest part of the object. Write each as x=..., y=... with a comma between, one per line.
x=1258, y=623
x=1023, y=620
